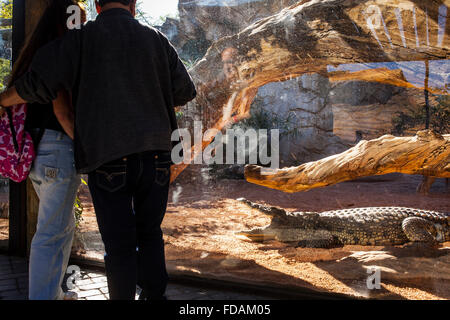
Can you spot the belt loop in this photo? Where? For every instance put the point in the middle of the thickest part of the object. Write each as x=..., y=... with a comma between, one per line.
x=60, y=136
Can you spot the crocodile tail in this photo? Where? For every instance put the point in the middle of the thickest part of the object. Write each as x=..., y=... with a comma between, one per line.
x=269, y=210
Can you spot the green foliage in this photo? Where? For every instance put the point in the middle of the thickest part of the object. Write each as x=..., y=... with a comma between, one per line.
x=179, y=115
x=194, y=49
x=6, y=9
x=141, y=16
x=78, y=207
x=439, y=118
x=5, y=65
x=189, y=64
x=5, y=69
x=147, y=19
x=89, y=6
x=261, y=118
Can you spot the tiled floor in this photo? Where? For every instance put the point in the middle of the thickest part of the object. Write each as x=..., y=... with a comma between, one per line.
x=92, y=285
x=13, y=278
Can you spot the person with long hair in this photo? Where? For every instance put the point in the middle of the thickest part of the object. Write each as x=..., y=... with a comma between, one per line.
x=53, y=174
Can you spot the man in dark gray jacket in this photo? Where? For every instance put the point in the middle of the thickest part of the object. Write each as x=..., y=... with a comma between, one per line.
x=125, y=80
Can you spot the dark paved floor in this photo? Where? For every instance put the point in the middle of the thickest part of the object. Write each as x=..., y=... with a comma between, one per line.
x=93, y=286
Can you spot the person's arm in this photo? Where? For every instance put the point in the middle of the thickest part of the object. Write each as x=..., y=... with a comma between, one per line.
x=182, y=84
x=54, y=68
x=62, y=107
x=9, y=98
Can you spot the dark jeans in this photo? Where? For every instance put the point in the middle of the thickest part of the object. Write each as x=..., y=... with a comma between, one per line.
x=130, y=198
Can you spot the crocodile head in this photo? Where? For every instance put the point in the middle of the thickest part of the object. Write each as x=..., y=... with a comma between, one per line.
x=258, y=234
x=285, y=226
x=285, y=234
x=299, y=226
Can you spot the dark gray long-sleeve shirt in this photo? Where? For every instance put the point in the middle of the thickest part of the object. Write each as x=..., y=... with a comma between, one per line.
x=125, y=79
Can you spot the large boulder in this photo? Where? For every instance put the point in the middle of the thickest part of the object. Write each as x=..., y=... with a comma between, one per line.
x=301, y=109
x=202, y=22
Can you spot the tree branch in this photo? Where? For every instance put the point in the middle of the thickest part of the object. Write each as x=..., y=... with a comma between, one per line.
x=427, y=154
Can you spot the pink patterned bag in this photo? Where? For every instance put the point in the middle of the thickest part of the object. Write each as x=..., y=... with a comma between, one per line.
x=16, y=145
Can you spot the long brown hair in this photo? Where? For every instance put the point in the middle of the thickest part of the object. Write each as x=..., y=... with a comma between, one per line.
x=52, y=25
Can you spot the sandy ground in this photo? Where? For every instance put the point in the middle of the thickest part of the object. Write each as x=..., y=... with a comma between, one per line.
x=4, y=224
x=4, y=233
x=203, y=216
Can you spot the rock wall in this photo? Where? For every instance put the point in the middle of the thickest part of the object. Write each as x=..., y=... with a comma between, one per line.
x=318, y=118
x=305, y=116
x=354, y=122
x=323, y=118
x=202, y=22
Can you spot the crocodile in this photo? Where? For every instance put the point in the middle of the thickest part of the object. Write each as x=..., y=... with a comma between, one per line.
x=355, y=226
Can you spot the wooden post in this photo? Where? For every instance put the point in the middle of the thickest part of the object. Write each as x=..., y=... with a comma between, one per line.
x=24, y=202
x=17, y=191
x=33, y=12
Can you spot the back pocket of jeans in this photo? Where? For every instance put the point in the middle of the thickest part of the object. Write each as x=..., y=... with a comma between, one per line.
x=111, y=178
x=162, y=175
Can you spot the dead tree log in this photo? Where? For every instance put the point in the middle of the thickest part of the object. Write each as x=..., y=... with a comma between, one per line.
x=426, y=154
x=309, y=37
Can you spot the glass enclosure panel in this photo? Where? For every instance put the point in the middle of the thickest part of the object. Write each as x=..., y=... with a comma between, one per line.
x=284, y=84
x=5, y=68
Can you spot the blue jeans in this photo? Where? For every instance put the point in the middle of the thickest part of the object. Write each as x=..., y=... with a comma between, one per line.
x=130, y=200
x=56, y=183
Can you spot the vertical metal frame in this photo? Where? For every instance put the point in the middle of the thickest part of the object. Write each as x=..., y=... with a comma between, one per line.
x=18, y=191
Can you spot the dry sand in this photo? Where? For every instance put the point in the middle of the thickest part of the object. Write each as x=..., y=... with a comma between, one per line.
x=4, y=224
x=203, y=216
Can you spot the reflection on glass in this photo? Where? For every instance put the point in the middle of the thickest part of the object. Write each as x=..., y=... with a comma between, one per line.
x=415, y=28
x=442, y=23
x=329, y=75
x=375, y=13
x=398, y=14
x=413, y=73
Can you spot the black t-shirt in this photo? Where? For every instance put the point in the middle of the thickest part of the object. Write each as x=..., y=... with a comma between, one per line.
x=42, y=116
